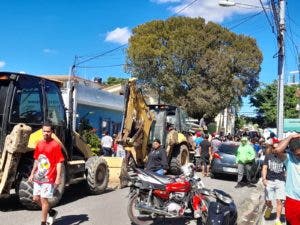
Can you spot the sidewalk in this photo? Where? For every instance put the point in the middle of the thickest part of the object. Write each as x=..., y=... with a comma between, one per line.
x=255, y=214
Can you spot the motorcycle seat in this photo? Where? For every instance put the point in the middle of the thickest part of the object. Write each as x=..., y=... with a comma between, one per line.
x=161, y=178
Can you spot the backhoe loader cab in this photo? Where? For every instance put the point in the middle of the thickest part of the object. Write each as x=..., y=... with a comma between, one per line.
x=26, y=102
x=167, y=116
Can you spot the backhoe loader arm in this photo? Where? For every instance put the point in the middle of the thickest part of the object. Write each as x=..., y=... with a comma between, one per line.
x=137, y=123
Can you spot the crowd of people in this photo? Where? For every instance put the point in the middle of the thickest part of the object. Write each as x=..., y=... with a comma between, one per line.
x=280, y=167
x=280, y=172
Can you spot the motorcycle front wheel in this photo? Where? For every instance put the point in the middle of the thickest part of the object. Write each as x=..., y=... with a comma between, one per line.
x=136, y=216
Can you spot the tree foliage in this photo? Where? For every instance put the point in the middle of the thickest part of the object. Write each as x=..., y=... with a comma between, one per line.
x=265, y=100
x=199, y=66
x=115, y=80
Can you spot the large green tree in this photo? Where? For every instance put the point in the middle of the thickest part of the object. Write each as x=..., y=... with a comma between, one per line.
x=265, y=100
x=200, y=66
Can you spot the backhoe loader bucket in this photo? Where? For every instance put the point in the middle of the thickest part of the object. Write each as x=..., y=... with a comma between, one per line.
x=118, y=176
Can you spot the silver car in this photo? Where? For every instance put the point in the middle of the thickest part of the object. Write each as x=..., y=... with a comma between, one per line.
x=224, y=162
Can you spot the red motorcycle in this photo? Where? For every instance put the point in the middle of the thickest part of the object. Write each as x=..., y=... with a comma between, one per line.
x=153, y=196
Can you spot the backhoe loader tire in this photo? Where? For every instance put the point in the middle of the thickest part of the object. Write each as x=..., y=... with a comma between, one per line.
x=24, y=193
x=97, y=173
x=180, y=157
x=25, y=190
x=59, y=191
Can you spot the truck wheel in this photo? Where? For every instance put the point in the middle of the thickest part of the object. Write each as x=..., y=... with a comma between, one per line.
x=97, y=173
x=180, y=158
x=24, y=190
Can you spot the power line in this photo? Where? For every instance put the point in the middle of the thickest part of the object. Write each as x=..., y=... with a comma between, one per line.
x=99, y=55
x=107, y=66
x=245, y=20
x=187, y=6
x=117, y=48
x=295, y=48
x=269, y=21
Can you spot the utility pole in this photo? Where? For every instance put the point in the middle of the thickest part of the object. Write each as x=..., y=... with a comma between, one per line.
x=280, y=24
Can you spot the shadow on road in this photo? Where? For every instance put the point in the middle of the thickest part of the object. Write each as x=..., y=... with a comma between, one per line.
x=76, y=192
x=174, y=221
x=72, y=193
x=225, y=177
x=10, y=204
x=72, y=219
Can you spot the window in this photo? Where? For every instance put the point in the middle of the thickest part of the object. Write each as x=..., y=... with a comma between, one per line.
x=230, y=149
x=56, y=111
x=27, y=102
x=3, y=95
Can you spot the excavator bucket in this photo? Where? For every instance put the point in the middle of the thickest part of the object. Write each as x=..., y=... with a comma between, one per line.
x=15, y=143
x=118, y=176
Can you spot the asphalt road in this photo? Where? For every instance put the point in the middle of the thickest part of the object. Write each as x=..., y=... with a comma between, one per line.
x=110, y=208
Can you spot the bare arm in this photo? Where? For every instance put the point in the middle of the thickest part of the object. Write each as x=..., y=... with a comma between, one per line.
x=34, y=168
x=58, y=174
x=284, y=143
x=210, y=153
x=264, y=174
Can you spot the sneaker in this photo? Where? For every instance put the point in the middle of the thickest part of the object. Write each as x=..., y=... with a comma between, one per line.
x=268, y=212
x=197, y=213
x=278, y=222
x=52, y=215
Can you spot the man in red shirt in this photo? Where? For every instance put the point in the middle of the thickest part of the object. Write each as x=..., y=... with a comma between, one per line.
x=46, y=173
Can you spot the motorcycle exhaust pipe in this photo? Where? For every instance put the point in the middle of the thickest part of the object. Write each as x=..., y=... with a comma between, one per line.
x=150, y=209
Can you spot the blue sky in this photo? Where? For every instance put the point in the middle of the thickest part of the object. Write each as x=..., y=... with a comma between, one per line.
x=43, y=37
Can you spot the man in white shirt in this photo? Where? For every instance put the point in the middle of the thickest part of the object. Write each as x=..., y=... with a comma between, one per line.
x=106, y=143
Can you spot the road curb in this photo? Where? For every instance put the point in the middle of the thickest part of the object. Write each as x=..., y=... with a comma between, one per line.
x=252, y=207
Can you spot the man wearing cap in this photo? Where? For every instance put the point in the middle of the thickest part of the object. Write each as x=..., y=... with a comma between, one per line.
x=157, y=159
x=244, y=158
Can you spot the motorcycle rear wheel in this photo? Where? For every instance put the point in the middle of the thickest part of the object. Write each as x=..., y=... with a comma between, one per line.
x=135, y=216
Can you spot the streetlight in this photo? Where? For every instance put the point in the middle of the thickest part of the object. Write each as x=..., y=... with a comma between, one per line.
x=229, y=3
x=279, y=17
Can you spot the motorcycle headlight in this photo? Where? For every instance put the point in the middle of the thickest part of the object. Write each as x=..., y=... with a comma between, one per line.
x=222, y=196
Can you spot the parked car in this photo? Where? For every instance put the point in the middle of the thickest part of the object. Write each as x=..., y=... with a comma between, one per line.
x=224, y=162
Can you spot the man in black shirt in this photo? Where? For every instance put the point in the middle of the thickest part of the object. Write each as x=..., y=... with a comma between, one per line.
x=205, y=155
x=157, y=159
x=273, y=177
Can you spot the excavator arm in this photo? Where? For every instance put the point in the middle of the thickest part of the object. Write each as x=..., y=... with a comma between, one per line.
x=136, y=123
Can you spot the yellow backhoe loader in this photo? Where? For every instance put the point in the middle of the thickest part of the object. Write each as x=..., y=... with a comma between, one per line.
x=143, y=123
x=26, y=102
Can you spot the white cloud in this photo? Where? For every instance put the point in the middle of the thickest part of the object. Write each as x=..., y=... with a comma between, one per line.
x=210, y=9
x=119, y=35
x=49, y=51
x=2, y=64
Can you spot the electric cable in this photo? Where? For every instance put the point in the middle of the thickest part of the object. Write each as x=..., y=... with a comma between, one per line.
x=246, y=19
x=107, y=66
x=99, y=55
x=269, y=21
x=184, y=8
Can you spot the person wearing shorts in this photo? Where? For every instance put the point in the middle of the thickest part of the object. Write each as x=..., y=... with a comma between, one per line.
x=205, y=155
x=291, y=158
x=46, y=173
x=273, y=178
